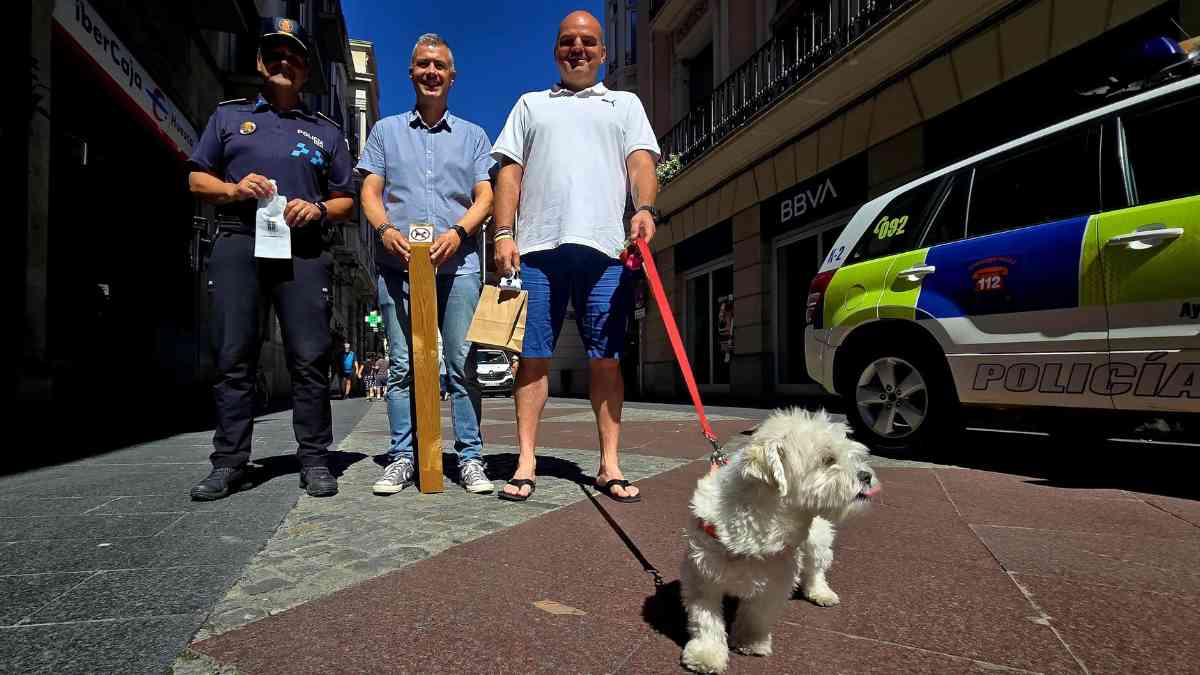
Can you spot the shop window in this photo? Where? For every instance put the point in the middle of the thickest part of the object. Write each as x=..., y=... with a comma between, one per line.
x=710, y=324
x=1160, y=143
x=1055, y=179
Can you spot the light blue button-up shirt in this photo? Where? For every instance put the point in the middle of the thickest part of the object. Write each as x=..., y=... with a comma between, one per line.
x=429, y=174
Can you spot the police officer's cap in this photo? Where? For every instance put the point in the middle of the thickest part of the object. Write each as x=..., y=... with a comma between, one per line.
x=276, y=29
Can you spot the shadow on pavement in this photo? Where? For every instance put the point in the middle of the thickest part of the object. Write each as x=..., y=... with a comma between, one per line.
x=1057, y=461
x=663, y=612
x=503, y=465
x=266, y=469
x=96, y=426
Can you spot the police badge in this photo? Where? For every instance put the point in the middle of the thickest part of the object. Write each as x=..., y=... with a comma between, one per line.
x=247, y=128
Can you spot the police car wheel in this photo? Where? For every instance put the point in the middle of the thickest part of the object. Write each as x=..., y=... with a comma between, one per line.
x=896, y=399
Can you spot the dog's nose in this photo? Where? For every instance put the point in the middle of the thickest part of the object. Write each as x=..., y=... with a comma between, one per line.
x=865, y=477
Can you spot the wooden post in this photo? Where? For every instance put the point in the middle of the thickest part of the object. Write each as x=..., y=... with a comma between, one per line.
x=426, y=387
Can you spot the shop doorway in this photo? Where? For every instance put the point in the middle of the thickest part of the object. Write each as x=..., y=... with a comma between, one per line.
x=709, y=323
x=797, y=259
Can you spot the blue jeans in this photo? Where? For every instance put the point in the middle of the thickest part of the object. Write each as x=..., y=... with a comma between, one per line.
x=457, y=297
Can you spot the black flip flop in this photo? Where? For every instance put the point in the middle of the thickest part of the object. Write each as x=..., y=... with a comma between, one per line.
x=607, y=489
x=519, y=483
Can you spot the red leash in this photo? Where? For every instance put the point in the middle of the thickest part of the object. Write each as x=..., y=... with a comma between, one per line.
x=664, y=308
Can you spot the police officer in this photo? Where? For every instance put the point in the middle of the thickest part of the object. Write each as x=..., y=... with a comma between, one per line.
x=246, y=145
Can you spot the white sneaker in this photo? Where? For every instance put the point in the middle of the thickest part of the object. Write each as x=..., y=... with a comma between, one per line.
x=397, y=476
x=473, y=477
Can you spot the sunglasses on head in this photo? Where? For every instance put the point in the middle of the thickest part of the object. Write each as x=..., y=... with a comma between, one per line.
x=274, y=56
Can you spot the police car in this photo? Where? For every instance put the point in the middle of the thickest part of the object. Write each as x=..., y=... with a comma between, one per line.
x=1059, y=270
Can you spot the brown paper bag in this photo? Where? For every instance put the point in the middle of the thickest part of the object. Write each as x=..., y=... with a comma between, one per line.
x=499, y=319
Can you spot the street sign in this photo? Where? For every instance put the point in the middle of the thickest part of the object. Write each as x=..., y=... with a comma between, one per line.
x=420, y=233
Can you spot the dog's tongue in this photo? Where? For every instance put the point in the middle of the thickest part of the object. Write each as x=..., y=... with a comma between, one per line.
x=872, y=491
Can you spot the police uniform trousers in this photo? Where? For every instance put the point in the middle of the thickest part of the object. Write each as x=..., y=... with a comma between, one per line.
x=239, y=286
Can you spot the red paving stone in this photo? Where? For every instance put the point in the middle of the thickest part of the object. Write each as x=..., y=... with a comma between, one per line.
x=1105, y=516
x=1119, y=631
x=1132, y=563
x=927, y=585
x=801, y=649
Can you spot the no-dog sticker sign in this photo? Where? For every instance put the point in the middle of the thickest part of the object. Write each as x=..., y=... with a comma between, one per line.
x=420, y=233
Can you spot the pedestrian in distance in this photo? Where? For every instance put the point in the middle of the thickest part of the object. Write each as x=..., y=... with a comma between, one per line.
x=428, y=165
x=350, y=368
x=381, y=375
x=567, y=155
x=355, y=372
x=258, y=150
x=368, y=377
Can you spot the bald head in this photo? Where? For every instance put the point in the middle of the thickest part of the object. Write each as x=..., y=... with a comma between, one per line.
x=582, y=19
x=579, y=50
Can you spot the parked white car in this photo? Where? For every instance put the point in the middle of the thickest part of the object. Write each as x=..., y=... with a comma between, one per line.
x=494, y=372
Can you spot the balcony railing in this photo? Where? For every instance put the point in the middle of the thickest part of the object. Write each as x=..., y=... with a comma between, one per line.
x=819, y=35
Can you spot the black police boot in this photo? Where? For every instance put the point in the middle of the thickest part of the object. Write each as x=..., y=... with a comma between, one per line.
x=219, y=484
x=318, y=482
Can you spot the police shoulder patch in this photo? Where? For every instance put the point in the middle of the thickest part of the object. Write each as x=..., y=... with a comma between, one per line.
x=326, y=118
x=234, y=100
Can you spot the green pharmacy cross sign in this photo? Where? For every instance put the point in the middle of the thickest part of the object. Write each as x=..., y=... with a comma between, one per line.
x=374, y=319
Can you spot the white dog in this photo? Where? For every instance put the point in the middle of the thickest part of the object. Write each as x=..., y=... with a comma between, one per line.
x=761, y=522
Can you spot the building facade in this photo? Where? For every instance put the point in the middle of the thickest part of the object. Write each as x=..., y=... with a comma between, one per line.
x=359, y=242
x=785, y=116
x=114, y=257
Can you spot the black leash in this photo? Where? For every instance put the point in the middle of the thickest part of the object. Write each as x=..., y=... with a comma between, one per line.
x=647, y=566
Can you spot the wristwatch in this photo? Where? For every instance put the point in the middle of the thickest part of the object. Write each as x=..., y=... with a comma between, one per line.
x=383, y=227
x=324, y=211
x=462, y=233
x=654, y=213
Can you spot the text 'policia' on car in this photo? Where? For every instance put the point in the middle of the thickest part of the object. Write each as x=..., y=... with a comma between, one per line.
x=1056, y=270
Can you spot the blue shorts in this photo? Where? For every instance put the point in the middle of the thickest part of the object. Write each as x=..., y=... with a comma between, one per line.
x=599, y=288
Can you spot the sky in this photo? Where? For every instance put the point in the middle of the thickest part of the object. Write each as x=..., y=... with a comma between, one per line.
x=502, y=49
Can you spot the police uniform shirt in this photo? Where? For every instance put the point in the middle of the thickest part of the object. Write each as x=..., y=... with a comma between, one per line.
x=304, y=153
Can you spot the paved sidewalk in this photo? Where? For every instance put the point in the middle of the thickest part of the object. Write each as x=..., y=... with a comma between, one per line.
x=1047, y=570
x=107, y=566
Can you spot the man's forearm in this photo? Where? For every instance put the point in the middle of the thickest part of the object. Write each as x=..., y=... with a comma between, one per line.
x=508, y=195
x=209, y=188
x=643, y=180
x=340, y=208
x=372, y=203
x=480, y=208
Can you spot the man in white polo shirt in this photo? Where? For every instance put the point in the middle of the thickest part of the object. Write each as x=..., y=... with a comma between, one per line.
x=567, y=155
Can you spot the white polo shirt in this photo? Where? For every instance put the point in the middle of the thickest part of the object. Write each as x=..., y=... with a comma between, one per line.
x=572, y=147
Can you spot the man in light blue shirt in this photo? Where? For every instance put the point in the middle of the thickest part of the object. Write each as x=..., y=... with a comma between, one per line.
x=429, y=166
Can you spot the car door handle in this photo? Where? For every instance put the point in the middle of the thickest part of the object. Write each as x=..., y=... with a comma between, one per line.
x=916, y=273
x=1147, y=237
